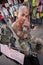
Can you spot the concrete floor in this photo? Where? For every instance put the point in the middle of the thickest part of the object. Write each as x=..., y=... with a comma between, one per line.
x=39, y=33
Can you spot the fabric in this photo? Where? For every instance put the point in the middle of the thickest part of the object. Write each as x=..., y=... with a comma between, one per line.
x=34, y=12
x=41, y=14
x=1, y=17
x=2, y=21
x=37, y=2
x=5, y=12
x=33, y=3
x=15, y=1
x=25, y=0
x=11, y=11
x=15, y=13
x=12, y=54
x=37, y=15
x=31, y=60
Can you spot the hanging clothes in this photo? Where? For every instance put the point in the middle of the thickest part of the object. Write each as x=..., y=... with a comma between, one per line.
x=33, y=3
x=37, y=2
x=25, y=1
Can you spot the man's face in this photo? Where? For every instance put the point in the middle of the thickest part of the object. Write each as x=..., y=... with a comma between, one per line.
x=24, y=14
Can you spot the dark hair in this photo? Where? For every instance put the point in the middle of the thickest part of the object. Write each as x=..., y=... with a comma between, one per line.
x=38, y=46
x=3, y=6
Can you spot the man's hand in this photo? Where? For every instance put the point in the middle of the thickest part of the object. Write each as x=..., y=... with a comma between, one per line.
x=25, y=36
x=26, y=24
x=22, y=35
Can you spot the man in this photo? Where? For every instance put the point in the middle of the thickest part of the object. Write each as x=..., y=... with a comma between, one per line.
x=22, y=29
x=22, y=21
x=22, y=26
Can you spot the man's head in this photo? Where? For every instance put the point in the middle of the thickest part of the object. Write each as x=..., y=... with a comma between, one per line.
x=23, y=12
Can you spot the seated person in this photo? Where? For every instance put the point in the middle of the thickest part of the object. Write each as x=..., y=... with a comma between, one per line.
x=22, y=29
